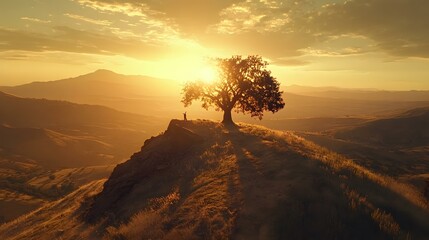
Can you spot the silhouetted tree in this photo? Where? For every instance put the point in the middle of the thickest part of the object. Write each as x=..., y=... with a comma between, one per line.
x=243, y=84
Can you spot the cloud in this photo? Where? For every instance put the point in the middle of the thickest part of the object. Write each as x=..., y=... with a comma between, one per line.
x=271, y=45
x=77, y=41
x=262, y=27
x=189, y=15
x=276, y=29
x=89, y=20
x=289, y=62
x=399, y=27
x=124, y=7
x=35, y=20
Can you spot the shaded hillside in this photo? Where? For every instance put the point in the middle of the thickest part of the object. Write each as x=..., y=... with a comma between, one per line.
x=409, y=129
x=38, y=136
x=30, y=112
x=52, y=149
x=200, y=180
x=319, y=124
x=66, y=134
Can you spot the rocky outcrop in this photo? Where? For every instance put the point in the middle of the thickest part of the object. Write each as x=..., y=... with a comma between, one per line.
x=157, y=154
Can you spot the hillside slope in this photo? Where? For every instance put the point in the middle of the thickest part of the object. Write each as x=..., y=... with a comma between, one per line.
x=58, y=133
x=409, y=129
x=101, y=83
x=103, y=87
x=54, y=150
x=39, y=137
x=201, y=180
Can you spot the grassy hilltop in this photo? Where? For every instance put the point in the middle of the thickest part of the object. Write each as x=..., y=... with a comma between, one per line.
x=202, y=180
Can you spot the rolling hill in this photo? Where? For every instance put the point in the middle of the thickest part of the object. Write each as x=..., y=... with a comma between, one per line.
x=360, y=94
x=397, y=146
x=161, y=98
x=65, y=134
x=123, y=92
x=101, y=83
x=202, y=180
x=408, y=129
x=39, y=138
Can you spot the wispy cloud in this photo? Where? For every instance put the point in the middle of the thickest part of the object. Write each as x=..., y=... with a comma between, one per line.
x=89, y=20
x=35, y=20
x=124, y=7
x=67, y=39
x=289, y=62
x=399, y=27
x=277, y=29
x=259, y=16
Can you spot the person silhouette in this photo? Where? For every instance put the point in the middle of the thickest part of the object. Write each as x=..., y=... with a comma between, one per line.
x=184, y=117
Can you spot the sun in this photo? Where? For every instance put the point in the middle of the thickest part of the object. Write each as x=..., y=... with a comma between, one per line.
x=208, y=74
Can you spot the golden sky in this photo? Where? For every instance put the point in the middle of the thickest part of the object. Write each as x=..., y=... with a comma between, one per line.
x=356, y=43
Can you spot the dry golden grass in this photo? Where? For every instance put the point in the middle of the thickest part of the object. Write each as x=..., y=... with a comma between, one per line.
x=248, y=182
x=55, y=220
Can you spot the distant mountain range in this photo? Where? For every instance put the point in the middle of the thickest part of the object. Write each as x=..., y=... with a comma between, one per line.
x=103, y=87
x=101, y=83
x=359, y=93
x=161, y=98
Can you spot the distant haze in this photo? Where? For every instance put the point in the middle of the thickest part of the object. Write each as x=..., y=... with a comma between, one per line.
x=161, y=98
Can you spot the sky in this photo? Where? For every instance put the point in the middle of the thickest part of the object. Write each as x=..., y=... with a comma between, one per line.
x=381, y=44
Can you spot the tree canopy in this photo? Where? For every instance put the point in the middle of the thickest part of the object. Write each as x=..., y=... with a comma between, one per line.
x=243, y=84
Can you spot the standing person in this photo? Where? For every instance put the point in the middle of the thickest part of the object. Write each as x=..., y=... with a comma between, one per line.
x=184, y=117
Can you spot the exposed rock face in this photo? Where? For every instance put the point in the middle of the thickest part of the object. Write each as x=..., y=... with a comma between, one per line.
x=158, y=154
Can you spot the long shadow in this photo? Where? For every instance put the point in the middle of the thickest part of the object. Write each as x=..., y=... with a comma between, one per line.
x=324, y=188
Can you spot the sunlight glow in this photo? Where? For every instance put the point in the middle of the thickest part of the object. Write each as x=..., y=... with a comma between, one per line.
x=208, y=74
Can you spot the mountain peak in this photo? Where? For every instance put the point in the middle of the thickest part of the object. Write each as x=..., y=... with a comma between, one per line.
x=103, y=72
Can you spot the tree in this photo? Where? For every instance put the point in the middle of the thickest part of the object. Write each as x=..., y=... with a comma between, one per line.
x=243, y=84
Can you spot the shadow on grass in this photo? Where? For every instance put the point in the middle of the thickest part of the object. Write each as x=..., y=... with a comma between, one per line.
x=286, y=194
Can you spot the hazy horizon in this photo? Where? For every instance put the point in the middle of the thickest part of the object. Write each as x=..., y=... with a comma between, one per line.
x=350, y=44
x=284, y=86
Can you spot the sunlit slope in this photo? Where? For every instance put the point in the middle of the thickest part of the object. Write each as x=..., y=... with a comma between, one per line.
x=200, y=180
x=55, y=220
x=26, y=186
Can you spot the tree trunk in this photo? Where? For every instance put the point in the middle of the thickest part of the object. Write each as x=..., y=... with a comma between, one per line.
x=227, y=118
